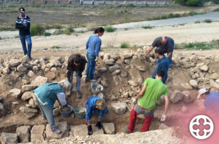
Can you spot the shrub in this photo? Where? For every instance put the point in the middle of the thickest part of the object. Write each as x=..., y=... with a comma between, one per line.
x=216, y=10
x=147, y=27
x=124, y=45
x=55, y=47
x=47, y=34
x=207, y=21
x=109, y=29
x=197, y=22
x=58, y=32
x=36, y=29
x=69, y=30
x=194, y=2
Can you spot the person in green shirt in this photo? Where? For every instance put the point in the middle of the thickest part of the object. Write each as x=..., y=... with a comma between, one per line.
x=151, y=91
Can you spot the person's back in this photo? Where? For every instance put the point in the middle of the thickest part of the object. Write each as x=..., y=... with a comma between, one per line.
x=155, y=89
x=93, y=44
x=212, y=102
x=162, y=63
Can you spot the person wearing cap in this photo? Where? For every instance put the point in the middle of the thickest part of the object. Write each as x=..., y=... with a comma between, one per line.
x=166, y=43
x=23, y=24
x=46, y=95
x=162, y=63
x=211, y=100
x=95, y=104
x=76, y=63
x=146, y=100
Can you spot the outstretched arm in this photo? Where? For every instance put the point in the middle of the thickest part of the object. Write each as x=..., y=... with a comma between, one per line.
x=166, y=104
x=149, y=50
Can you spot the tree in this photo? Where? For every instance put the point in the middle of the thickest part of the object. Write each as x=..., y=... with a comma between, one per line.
x=191, y=2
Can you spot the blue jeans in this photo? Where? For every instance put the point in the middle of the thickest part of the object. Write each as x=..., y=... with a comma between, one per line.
x=170, y=58
x=78, y=81
x=90, y=66
x=29, y=44
x=47, y=113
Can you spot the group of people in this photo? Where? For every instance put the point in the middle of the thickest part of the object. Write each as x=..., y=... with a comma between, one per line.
x=145, y=102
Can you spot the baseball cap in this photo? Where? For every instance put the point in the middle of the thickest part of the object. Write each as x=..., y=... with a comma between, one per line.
x=202, y=91
x=21, y=9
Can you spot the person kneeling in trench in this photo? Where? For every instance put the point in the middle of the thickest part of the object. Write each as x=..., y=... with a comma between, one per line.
x=94, y=104
x=46, y=95
x=151, y=92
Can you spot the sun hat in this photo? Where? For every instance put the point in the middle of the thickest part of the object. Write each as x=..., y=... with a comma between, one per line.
x=202, y=91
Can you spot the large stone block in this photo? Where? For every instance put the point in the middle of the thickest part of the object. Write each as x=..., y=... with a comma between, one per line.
x=23, y=134
x=113, y=68
x=28, y=112
x=14, y=62
x=27, y=95
x=176, y=96
x=119, y=108
x=63, y=126
x=37, y=134
x=25, y=88
x=81, y=130
x=109, y=128
x=16, y=93
x=39, y=80
x=8, y=138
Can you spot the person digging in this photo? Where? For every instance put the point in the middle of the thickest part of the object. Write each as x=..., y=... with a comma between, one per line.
x=46, y=95
x=95, y=104
x=146, y=100
x=76, y=63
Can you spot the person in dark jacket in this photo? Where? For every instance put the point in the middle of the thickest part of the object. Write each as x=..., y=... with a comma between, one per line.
x=76, y=63
x=23, y=24
x=94, y=104
x=46, y=95
x=167, y=44
x=162, y=63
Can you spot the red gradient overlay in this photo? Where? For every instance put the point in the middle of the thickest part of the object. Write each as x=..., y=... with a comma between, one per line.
x=190, y=139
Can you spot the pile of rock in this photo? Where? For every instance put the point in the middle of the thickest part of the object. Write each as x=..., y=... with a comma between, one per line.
x=40, y=133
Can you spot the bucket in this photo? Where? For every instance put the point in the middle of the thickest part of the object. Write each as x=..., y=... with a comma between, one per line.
x=79, y=111
x=66, y=112
x=96, y=88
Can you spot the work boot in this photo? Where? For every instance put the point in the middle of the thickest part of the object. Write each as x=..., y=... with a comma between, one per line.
x=79, y=94
x=126, y=130
x=56, y=130
x=87, y=80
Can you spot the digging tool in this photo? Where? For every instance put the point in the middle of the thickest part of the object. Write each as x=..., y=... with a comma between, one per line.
x=127, y=105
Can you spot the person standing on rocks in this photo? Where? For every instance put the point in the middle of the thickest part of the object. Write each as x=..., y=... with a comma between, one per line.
x=146, y=100
x=93, y=47
x=211, y=101
x=46, y=95
x=76, y=63
x=23, y=24
x=95, y=104
x=162, y=63
x=167, y=44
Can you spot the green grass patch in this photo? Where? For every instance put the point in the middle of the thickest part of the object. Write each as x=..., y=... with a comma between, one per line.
x=109, y=29
x=124, y=45
x=208, y=21
x=47, y=34
x=69, y=30
x=55, y=47
x=147, y=27
x=202, y=45
x=36, y=29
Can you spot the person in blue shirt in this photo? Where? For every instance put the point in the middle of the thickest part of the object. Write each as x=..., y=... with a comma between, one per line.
x=93, y=47
x=94, y=104
x=162, y=63
x=211, y=101
x=46, y=95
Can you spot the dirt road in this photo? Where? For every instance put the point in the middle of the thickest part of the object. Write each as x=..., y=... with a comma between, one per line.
x=181, y=34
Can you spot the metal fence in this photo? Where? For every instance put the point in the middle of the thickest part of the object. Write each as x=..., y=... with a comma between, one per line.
x=93, y=2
